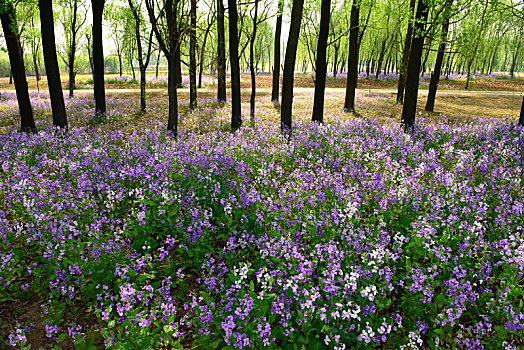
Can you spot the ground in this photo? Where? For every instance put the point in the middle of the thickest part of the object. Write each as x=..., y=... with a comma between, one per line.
x=252, y=204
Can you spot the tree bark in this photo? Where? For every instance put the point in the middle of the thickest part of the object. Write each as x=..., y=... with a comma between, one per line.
x=349, y=103
x=51, y=64
x=72, y=51
x=415, y=57
x=192, y=57
x=289, y=66
x=435, y=76
x=252, y=65
x=140, y=53
x=276, y=53
x=157, y=63
x=16, y=59
x=98, y=57
x=321, y=65
x=202, y=54
x=178, y=68
x=405, y=55
x=515, y=56
x=221, y=54
x=236, y=117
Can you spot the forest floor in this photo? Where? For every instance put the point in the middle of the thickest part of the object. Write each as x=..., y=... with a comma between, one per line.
x=91, y=145
x=303, y=80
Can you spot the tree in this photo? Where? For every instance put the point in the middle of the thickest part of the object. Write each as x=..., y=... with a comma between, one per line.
x=72, y=22
x=252, y=63
x=321, y=64
x=164, y=25
x=405, y=54
x=192, y=57
x=276, y=53
x=143, y=60
x=435, y=76
x=51, y=64
x=16, y=59
x=236, y=117
x=210, y=21
x=98, y=57
x=117, y=17
x=353, y=56
x=415, y=57
x=221, y=53
x=289, y=66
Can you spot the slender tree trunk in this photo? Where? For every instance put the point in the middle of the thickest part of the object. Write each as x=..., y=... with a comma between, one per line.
x=515, y=56
x=11, y=77
x=157, y=63
x=37, y=67
x=221, y=53
x=412, y=80
x=289, y=66
x=192, y=57
x=405, y=55
x=72, y=51
x=321, y=66
x=16, y=59
x=380, y=59
x=435, y=76
x=252, y=65
x=51, y=64
x=236, y=117
x=98, y=57
x=202, y=55
x=349, y=103
x=120, y=62
x=276, y=53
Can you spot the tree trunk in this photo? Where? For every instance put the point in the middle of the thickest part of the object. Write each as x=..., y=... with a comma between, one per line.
x=98, y=57
x=349, y=103
x=202, y=55
x=51, y=64
x=192, y=58
x=172, y=122
x=252, y=66
x=16, y=59
x=289, y=66
x=415, y=57
x=276, y=53
x=321, y=66
x=236, y=117
x=178, y=69
x=515, y=56
x=157, y=63
x=143, y=102
x=37, y=67
x=120, y=63
x=435, y=76
x=221, y=54
x=72, y=51
x=405, y=55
